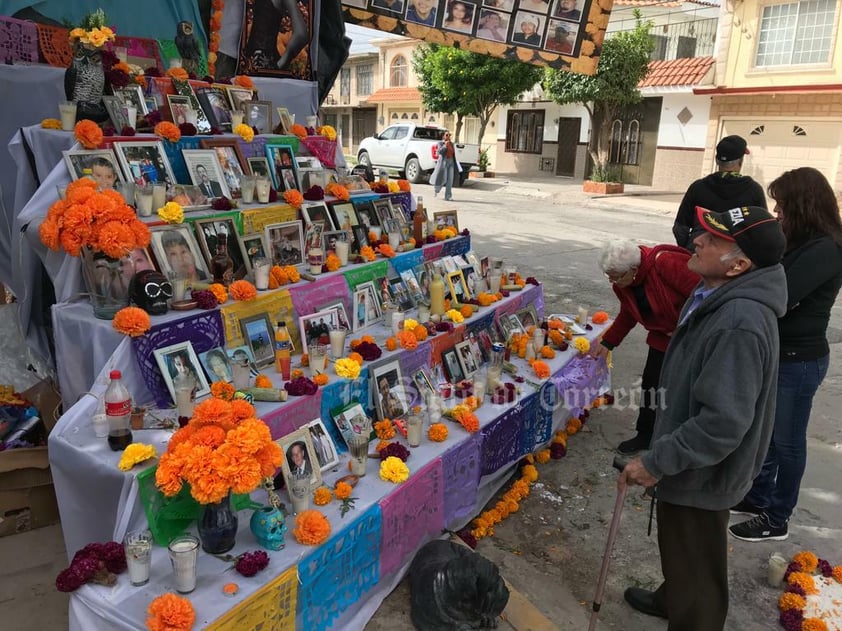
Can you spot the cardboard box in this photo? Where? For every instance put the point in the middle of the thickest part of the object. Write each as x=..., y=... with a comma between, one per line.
x=27, y=496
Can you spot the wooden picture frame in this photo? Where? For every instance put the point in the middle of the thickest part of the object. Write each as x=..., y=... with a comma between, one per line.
x=467, y=359
x=253, y=246
x=326, y=453
x=452, y=367
x=210, y=179
x=231, y=161
x=281, y=241
x=178, y=359
x=351, y=420
x=81, y=163
x=459, y=291
x=259, y=336
x=177, y=238
x=300, y=439
x=389, y=392
x=208, y=231
x=258, y=114
x=444, y=218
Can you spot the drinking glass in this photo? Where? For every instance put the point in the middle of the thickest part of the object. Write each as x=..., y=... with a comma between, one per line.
x=247, y=186
x=299, y=491
x=138, y=546
x=67, y=111
x=358, y=446
x=184, y=552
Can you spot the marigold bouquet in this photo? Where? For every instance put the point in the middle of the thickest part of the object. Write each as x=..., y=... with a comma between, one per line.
x=88, y=218
x=223, y=449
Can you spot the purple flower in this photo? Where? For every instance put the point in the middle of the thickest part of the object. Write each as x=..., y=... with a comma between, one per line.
x=250, y=563
x=187, y=129
x=368, y=351
x=380, y=188
x=314, y=193
x=208, y=79
x=114, y=557
x=519, y=378
x=152, y=71
x=109, y=131
x=222, y=203
x=557, y=451
x=825, y=568
x=792, y=619
x=301, y=386
x=192, y=76
x=117, y=78
x=205, y=299
x=68, y=580
x=588, y=327
x=225, y=81
x=394, y=449
x=311, y=131
x=127, y=131
x=795, y=566
x=466, y=233
x=531, y=280
x=430, y=238
x=586, y=413
x=466, y=536
x=154, y=117
x=108, y=58
x=86, y=568
x=796, y=589
x=444, y=327
x=563, y=346
x=504, y=292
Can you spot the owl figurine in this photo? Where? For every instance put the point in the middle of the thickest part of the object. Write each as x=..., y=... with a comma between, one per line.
x=84, y=83
x=188, y=47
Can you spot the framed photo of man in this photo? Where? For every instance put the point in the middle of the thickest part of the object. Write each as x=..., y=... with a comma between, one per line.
x=258, y=114
x=285, y=242
x=206, y=172
x=351, y=420
x=326, y=454
x=176, y=250
x=209, y=231
x=99, y=165
x=230, y=159
x=299, y=456
x=390, y=397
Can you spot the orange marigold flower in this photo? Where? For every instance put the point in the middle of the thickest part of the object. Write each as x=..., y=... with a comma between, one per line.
x=790, y=601
x=242, y=290
x=382, y=445
x=599, y=317
x=305, y=359
x=542, y=456
x=420, y=332
x=466, y=311
x=542, y=370
x=384, y=429
x=243, y=81
x=437, y=432
x=222, y=390
x=131, y=321
x=354, y=343
x=343, y=490
x=338, y=191
x=242, y=409
x=299, y=130
x=262, y=381
x=357, y=358
x=813, y=624
x=51, y=123
x=529, y=473
x=573, y=425
x=367, y=253
x=168, y=131
x=547, y=352
x=178, y=73
x=472, y=402
x=485, y=299
x=296, y=373
x=372, y=236
x=292, y=273
x=404, y=186
x=218, y=290
x=837, y=573
x=333, y=263
x=321, y=379
x=322, y=496
x=391, y=344
x=294, y=198
x=408, y=340
x=88, y=133
x=311, y=528
x=807, y=560
x=170, y=613
x=277, y=277
x=386, y=250
x=803, y=580
x=468, y=420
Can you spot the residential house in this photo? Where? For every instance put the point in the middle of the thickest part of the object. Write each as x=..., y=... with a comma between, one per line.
x=779, y=85
x=346, y=106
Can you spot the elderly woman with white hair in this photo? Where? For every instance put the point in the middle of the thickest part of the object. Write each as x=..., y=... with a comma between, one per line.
x=652, y=284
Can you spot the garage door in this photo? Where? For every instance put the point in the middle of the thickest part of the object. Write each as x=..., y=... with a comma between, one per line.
x=780, y=145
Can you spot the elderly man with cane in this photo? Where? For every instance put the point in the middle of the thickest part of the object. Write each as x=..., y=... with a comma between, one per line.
x=711, y=436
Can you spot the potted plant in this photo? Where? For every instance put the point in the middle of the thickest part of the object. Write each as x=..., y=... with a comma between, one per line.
x=604, y=180
x=482, y=165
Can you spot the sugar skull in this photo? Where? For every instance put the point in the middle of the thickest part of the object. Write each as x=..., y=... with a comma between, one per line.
x=269, y=527
x=150, y=291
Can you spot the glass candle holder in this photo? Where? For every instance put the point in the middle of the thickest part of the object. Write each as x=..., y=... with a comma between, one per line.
x=423, y=313
x=247, y=186
x=262, y=267
x=179, y=285
x=144, y=200
x=318, y=358
x=185, y=395
x=776, y=570
x=262, y=187
x=127, y=190
x=495, y=279
x=241, y=374
x=138, y=546
x=67, y=112
x=236, y=119
x=315, y=259
x=342, y=249
x=394, y=240
x=358, y=446
x=184, y=552
x=100, y=423
x=337, y=342
x=414, y=429
x=299, y=491
x=159, y=196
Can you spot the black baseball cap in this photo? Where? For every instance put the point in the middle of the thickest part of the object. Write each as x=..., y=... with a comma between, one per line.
x=731, y=148
x=757, y=233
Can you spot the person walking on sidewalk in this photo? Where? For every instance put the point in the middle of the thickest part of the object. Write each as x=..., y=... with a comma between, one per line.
x=652, y=284
x=718, y=191
x=711, y=437
x=809, y=214
x=446, y=167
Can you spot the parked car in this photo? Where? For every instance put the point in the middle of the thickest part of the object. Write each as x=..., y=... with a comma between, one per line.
x=412, y=151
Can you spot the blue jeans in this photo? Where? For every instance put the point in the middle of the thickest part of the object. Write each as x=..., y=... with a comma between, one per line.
x=776, y=488
x=445, y=178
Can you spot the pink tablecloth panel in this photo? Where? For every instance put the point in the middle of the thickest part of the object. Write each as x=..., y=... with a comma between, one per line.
x=411, y=516
x=297, y=412
x=461, y=468
x=444, y=341
x=307, y=299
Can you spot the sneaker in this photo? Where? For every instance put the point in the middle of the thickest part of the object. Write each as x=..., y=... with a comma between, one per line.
x=633, y=445
x=746, y=508
x=759, y=528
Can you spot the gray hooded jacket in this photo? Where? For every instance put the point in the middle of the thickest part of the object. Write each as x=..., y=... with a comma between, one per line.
x=719, y=382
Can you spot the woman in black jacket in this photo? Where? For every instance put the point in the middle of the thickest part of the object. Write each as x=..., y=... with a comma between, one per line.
x=809, y=214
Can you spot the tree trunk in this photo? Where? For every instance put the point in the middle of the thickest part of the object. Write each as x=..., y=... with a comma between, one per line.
x=459, y=118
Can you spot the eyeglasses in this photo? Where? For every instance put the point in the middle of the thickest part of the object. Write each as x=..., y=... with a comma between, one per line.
x=153, y=290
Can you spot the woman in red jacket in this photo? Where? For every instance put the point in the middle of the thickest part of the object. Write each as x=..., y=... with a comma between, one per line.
x=652, y=283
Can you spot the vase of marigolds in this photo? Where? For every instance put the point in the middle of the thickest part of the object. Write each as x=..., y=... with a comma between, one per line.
x=223, y=449
x=101, y=230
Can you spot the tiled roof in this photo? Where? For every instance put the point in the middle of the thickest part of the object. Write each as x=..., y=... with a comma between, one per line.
x=677, y=72
x=394, y=95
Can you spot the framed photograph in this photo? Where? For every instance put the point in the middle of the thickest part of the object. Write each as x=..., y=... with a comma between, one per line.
x=206, y=172
x=183, y=87
x=446, y=218
x=484, y=342
x=282, y=167
x=215, y=104
x=259, y=166
x=142, y=259
x=467, y=359
x=383, y=210
x=315, y=212
x=209, y=231
x=423, y=383
x=238, y=96
x=114, y=107
x=285, y=242
x=458, y=287
x=326, y=454
x=360, y=238
x=366, y=306
x=452, y=367
x=133, y=95
x=337, y=305
x=423, y=276
x=384, y=291
x=180, y=359
x=180, y=106
x=177, y=250
x=351, y=420
x=473, y=260
x=343, y=216
x=287, y=120
x=258, y=114
x=216, y=364
x=307, y=162
x=299, y=455
x=144, y=161
x=151, y=103
x=313, y=236
x=390, y=397
x=400, y=294
x=239, y=353
x=415, y=293
x=253, y=247
x=528, y=316
x=258, y=335
x=332, y=236
x=462, y=22
x=311, y=177
x=189, y=196
x=99, y=165
x=316, y=327
x=568, y=321
x=366, y=215
x=230, y=160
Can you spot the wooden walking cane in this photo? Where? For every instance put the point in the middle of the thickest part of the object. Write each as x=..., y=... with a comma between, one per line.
x=618, y=464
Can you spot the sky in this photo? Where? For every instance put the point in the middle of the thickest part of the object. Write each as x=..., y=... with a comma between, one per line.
x=361, y=37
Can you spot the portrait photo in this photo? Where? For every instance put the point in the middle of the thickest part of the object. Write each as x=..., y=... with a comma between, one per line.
x=299, y=457
x=423, y=384
x=528, y=28
x=400, y=294
x=286, y=119
x=467, y=359
x=314, y=212
x=501, y=5
x=316, y=327
x=343, y=215
x=206, y=172
x=366, y=215
x=446, y=219
x=561, y=37
x=528, y=316
x=459, y=16
x=422, y=12
x=145, y=162
x=567, y=10
x=114, y=106
x=326, y=454
x=282, y=167
x=412, y=285
x=389, y=392
x=452, y=367
x=259, y=166
x=216, y=364
x=231, y=161
x=99, y=165
x=142, y=260
x=258, y=114
x=351, y=420
x=493, y=25
x=313, y=236
x=209, y=231
x=360, y=238
x=330, y=238
x=180, y=107
x=253, y=247
x=365, y=307
x=177, y=361
x=536, y=6
x=269, y=47
x=242, y=353
x=177, y=250
x=337, y=305
x=458, y=287
x=383, y=210
x=285, y=242
x=392, y=6
x=237, y=96
x=259, y=336
x=216, y=106
x=133, y=95
x=189, y=196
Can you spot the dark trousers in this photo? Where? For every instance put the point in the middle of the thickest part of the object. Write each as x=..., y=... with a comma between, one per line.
x=694, y=559
x=649, y=399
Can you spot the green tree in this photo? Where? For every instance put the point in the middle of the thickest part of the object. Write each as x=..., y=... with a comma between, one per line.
x=469, y=84
x=623, y=63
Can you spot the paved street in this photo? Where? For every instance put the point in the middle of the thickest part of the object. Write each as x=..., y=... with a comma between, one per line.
x=552, y=548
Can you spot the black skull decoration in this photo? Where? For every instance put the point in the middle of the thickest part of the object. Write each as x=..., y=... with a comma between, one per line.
x=150, y=291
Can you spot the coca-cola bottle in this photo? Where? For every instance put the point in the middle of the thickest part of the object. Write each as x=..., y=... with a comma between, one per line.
x=222, y=265
x=118, y=412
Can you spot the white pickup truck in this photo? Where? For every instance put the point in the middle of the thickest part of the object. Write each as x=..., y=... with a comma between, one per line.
x=412, y=150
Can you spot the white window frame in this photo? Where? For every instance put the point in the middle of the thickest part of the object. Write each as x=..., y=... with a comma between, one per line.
x=788, y=64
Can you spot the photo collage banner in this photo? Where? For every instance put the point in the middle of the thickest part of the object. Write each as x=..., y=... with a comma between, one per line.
x=562, y=34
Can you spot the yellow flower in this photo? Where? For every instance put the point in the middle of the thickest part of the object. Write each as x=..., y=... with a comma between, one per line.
x=98, y=37
x=245, y=132
x=394, y=470
x=134, y=454
x=171, y=212
x=393, y=186
x=347, y=368
x=328, y=132
x=581, y=344
x=455, y=316
x=409, y=325
x=51, y=123
x=77, y=33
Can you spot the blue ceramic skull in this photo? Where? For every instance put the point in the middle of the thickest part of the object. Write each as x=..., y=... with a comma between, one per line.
x=268, y=527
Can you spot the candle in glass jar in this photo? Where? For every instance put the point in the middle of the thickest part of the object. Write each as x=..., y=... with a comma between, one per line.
x=184, y=552
x=315, y=257
x=262, y=186
x=414, y=429
x=337, y=342
x=342, y=252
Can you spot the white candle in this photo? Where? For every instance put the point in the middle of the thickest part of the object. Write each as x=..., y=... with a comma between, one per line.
x=262, y=187
x=144, y=201
x=299, y=492
x=100, y=422
x=337, y=342
x=394, y=240
x=236, y=119
x=67, y=111
x=184, y=551
x=261, y=274
x=414, y=427
x=159, y=196
x=247, y=184
x=494, y=280
x=582, y=318
x=358, y=465
x=342, y=252
x=184, y=398
x=423, y=313
x=315, y=257
x=138, y=547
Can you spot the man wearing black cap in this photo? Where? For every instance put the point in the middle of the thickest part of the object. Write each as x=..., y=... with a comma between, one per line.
x=718, y=191
x=711, y=434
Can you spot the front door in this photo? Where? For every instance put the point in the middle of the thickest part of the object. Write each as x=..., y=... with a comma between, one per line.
x=568, y=143
x=633, y=141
